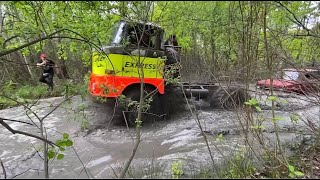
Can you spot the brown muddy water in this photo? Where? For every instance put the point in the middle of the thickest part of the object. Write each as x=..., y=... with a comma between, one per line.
x=103, y=149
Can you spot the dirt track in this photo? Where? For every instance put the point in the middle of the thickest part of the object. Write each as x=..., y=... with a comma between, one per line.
x=162, y=142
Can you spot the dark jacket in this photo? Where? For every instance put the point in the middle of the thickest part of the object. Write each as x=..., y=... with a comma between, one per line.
x=48, y=67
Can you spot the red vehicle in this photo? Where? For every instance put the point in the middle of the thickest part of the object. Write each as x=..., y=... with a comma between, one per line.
x=301, y=81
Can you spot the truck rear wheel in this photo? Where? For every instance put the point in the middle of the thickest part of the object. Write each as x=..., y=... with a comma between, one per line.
x=228, y=98
x=173, y=101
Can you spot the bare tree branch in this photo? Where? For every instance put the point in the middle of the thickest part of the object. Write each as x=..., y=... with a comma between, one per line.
x=7, y=40
x=5, y=119
x=24, y=133
x=298, y=22
x=5, y=52
x=306, y=35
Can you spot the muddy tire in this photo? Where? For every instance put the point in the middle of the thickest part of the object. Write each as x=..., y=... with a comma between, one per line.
x=154, y=113
x=173, y=101
x=233, y=98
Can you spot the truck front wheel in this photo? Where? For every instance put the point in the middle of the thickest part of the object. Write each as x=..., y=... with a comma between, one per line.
x=151, y=110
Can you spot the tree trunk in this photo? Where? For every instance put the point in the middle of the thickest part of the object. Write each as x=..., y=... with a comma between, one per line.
x=61, y=69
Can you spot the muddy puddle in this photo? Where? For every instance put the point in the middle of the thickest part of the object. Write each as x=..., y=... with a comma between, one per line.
x=104, y=150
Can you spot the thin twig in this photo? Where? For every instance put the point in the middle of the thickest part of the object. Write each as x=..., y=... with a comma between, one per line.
x=3, y=169
x=5, y=119
x=84, y=166
x=55, y=108
x=37, y=151
x=114, y=172
x=125, y=119
x=20, y=173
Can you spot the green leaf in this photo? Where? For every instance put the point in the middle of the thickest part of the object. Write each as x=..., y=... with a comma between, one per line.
x=294, y=118
x=277, y=119
x=272, y=98
x=69, y=143
x=291, y=168
x=63, y=144
x=291, y=175
x=65, y=135
x=60, y=156
x=257, y=127
x=258, y=108
x=219, y=138
x=252, y=102
x=247, y=103
x=29, y=112
x=62, y=149
x=51, y=154
x=298, y=173
x=59, y=142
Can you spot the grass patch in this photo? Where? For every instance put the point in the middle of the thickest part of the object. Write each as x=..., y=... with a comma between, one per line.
x=29, y=93
x=5, y=103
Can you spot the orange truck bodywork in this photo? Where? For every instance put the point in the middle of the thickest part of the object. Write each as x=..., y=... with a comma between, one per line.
x=113, y=73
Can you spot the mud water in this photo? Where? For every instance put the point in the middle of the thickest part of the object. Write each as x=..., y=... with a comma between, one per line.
x=104, y=148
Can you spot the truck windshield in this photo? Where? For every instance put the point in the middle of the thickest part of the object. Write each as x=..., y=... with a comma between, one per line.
x=290, y=75
x=118, y=32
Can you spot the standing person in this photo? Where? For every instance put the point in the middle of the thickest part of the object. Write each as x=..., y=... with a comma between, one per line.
x=171, y=50
x=172, y=41
x=47, y=75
